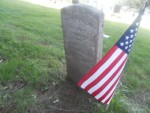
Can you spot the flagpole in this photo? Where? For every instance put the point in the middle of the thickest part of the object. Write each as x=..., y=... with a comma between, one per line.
x=145, y=4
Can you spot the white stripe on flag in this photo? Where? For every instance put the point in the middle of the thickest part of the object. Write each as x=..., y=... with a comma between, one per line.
x=102, y=68
x=103, y=101
x=94, y=88
x=109, y=85
x=110, y=98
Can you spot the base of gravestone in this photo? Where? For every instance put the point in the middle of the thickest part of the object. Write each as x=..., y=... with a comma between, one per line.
x=73, y=99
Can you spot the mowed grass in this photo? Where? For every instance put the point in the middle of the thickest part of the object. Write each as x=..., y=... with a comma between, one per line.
x=31, y=41
x=32, y=51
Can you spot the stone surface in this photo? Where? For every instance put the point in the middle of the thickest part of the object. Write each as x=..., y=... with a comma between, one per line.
x=75, y=1
x=83, y=31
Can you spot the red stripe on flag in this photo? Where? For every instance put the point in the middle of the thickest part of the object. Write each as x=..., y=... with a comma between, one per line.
x=108, y=100
x=109, y=80
x=103, y=97
x=99, y=64
x=105, y=72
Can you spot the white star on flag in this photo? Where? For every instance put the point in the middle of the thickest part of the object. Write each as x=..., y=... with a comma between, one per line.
x=121, y=44
x=129, y=50
x=132, y=30
x=137, y=24
x=136, y=29
x=131, y=36
x=131, y=41
x=127, y=37
x=127, y=42
x=126, y=47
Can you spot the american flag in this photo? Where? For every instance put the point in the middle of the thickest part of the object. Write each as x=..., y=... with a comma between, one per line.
x=102, y=79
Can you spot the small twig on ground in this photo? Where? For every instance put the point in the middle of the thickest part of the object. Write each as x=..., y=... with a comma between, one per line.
x=55, y=92
x=12, y=91
x=1, y=60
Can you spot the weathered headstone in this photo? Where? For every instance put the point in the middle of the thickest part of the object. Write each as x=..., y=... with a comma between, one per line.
x=117, y=8
x=75, y=1
x=83, y=30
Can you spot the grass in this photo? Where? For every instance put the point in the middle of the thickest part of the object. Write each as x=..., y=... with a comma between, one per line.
x=32, y=54
x=30, y=40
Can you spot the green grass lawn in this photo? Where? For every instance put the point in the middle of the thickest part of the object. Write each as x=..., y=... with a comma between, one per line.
x=32, y=59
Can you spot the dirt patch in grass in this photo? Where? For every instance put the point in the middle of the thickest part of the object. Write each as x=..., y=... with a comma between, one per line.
x=143, y=98
x=7, y=103
x=12, y=87
x=140, y=102
x=63, y=98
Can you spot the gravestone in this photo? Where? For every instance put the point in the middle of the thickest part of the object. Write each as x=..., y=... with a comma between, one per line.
x=75, y=1
x=83, y=38
x=117, y=8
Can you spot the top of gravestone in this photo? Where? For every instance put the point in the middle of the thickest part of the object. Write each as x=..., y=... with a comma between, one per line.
x=84, y=9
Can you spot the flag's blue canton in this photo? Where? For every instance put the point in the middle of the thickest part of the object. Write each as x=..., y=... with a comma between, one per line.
x=126, y=41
